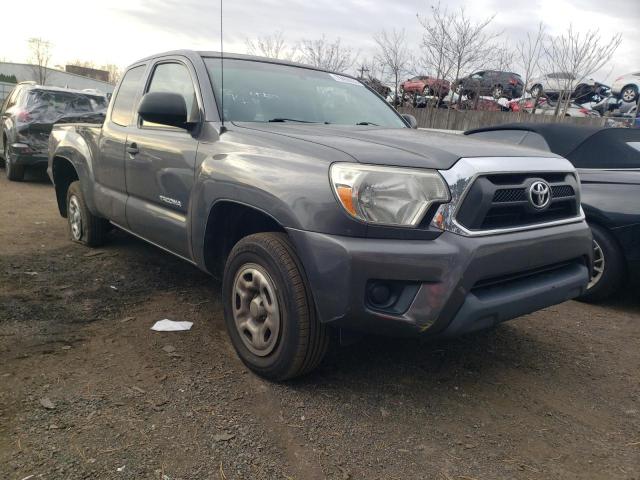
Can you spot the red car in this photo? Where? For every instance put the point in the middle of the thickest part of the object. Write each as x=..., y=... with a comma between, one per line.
x=425, y=85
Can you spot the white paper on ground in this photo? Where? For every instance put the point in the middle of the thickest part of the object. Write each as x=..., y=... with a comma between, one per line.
x=167, y=325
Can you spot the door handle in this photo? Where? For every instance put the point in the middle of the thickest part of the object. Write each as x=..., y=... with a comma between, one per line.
x=132, y=149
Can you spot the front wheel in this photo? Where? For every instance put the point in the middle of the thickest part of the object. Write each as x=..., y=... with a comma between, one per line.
x=608, y=267
x=497, y=92
x=268, y=309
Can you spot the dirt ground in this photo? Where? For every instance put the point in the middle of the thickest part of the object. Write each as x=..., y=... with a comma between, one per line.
x=88, y=391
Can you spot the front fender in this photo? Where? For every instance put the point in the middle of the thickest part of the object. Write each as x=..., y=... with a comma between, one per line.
x=291, y=188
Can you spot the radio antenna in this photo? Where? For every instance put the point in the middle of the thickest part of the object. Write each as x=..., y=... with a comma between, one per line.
x=222, y=127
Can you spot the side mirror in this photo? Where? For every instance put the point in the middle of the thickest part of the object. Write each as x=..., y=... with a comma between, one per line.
x=164, y=108
x=411, y=120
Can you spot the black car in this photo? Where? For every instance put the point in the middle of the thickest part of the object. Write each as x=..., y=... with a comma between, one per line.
x=608, y=162
x=490, y=82
x=28, y=115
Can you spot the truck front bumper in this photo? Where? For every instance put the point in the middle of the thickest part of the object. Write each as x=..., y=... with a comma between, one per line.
x=448, y=286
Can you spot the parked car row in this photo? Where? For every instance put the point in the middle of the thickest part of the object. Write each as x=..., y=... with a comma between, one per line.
x=544, y=106
x=501, y=84
x=27, y=117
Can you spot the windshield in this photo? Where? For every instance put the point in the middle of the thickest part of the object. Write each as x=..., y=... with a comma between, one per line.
x=265, y=92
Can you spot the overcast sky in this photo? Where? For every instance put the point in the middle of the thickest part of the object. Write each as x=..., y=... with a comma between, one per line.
x=121, y=31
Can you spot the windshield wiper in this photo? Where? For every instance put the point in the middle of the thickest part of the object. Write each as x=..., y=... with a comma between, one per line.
x=368, y=123
x=290, y=120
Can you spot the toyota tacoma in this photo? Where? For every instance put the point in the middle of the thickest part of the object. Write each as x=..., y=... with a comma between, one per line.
x=319, y=206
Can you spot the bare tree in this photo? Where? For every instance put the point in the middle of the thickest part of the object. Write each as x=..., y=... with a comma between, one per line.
x=40, y=58
x=115, y=72
x=328, y=55
x=271, y=46
x=436, y=56
x=503, y=57
x=393, y=53
x=577, y=56
x=469, y=44
x=529, y=52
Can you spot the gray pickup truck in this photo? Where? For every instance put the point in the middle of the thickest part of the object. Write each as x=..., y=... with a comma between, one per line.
x=319, y=206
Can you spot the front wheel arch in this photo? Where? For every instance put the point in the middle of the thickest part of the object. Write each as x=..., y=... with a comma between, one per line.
x=227, y=223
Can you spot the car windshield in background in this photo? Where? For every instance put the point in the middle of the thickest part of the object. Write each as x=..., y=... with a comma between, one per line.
x=257, y=91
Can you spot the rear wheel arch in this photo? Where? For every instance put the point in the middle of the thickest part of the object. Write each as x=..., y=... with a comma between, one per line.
x=64, y=174
x=228, y=222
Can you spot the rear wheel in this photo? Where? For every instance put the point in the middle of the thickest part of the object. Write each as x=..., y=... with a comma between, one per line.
x=14, y=172
x=629, y=93
x=536, y=91
x=609, y=269
x=497, y=92
x=84, y=227
x=268, y=309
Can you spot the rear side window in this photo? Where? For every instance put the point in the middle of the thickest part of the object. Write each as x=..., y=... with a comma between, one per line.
x=123, y=104
x=12, y=97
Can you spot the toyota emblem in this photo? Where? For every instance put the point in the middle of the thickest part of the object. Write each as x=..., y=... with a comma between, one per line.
x=539, y=194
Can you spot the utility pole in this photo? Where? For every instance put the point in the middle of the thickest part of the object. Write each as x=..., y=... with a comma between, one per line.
x=363, y=69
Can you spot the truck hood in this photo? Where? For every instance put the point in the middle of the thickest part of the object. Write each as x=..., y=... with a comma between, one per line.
x=403, y=147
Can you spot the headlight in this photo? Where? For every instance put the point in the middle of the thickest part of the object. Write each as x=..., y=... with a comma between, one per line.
x=387, y=195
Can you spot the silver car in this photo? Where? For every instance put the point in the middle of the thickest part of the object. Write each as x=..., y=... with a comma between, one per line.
x=557, y=82
x=627, y=87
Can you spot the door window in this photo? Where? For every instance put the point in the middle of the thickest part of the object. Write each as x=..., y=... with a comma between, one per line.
x=123, y=104
x=12, y=98
x=174, y=78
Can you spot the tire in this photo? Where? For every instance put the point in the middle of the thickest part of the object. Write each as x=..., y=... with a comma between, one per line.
x=609, y=267
x=582, y=92
x=15, y=173
x=536, y=91
x=84, y=227
x=629, y=94
x=497, y=92
x=426, y=91
x=263, y=273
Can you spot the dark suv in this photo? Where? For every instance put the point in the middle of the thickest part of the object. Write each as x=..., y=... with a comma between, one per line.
x=491, y=82
x=28, y=115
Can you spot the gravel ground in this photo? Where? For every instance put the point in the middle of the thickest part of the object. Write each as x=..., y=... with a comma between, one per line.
x=87, y=391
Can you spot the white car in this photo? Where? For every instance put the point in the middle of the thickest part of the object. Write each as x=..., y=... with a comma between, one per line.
x=557, y=82
x=627, y=87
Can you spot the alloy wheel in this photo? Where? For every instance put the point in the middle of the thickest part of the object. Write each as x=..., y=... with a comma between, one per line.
x=255, y=309
x=629, y=94
x=598, y=265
